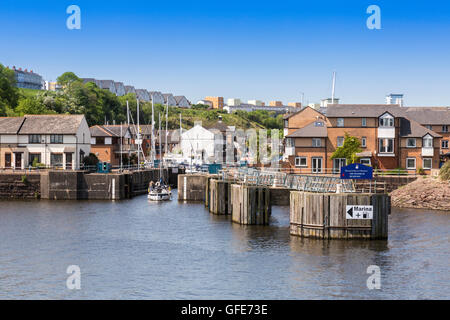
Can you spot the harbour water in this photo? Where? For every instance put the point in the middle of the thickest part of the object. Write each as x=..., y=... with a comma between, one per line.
x=135, y=249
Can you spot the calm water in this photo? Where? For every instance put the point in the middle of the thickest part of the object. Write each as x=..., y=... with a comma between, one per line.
x=139, y=250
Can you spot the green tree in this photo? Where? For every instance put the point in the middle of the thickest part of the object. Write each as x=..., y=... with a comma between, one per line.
x=32, y=106
x=66, y=79
x=348, y=150
x=9, y=94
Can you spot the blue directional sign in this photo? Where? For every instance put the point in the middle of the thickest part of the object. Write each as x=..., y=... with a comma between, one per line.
x=356, y=171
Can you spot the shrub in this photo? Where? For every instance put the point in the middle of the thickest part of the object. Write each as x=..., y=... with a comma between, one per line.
x=24, y=179
x=444, y=173
x=420, y=171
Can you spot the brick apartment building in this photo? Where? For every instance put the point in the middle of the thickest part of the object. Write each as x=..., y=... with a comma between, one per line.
x=390, y=136
x=217, y=102
x=106, y=141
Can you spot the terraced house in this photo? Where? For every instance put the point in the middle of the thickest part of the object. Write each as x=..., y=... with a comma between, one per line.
x=390, y=136
x=57, y=141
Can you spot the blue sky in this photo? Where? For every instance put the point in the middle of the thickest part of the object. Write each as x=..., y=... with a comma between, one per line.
x=267, y=50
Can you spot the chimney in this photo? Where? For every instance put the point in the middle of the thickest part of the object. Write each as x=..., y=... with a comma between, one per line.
x=395, y=98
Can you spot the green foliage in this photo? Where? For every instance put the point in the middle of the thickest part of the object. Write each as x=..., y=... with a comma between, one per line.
x=67, y=78
x=32, y=106
x=90, y=160
x=24, y=179
x=348, y=150
x=9, y=94
x=420, y=171
x=444, y=172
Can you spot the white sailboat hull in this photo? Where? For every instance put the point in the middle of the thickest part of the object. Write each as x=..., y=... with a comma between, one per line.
x=159, y=196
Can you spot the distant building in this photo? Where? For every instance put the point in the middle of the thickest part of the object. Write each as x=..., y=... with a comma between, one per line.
x=182, y=102
x=275, y=104
x=120, y=88
x=216, y=101
x=394, y=98
x=108, y=85
x=157, y=97
x=52, y=86
x=325, y=102
x=169, y=100
x=295, y=104
x=255, y=102
x=205, y=102
x=28, y=79
x=130, y=89
x=142, y=95
x=233, y=102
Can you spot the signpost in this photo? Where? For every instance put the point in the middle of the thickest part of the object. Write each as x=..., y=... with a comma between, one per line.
x=359, y=212
x=356, y=171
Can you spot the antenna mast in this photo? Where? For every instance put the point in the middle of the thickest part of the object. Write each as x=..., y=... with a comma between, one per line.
x=332, y=90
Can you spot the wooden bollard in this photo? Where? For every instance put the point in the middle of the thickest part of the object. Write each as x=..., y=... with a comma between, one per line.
x=219, y=197
x=338, y=216
x=251, y=204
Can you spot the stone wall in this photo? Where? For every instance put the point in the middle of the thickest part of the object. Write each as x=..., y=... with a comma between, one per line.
x=20, y=186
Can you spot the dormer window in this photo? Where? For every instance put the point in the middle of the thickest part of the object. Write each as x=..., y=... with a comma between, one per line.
x=386, y=121
x=340, y=122
x=428, y=141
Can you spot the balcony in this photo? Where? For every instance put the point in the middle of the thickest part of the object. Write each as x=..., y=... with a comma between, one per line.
x=427, y=152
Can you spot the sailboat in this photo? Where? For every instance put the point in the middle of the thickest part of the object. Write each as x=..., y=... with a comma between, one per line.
x=160, y=191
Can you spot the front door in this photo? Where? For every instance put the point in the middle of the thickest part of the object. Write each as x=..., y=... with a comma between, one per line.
x=317, y=165
x=7, y=160
x=18, y=163
x=69, y=160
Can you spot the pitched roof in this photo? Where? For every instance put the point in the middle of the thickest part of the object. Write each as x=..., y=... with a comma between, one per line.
x=51, y=124
x=98, y=131
x=413, y=129
x=289, y=115
x=429, y=115
x=10, y=125
x=363, y=110
x=129, y=89
x=219, y=125
x=316, y=129
x=179, y=98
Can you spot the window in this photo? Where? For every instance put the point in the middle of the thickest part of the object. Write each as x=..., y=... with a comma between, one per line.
x=427, y=163
x=300, y=162
x=428, y=126
x=316, y=142
x=387, y=122
x=386, y=145
x=444, y=144
x=445, y=129
x=289, y=142
x=93, y=141
x=56, y=138
x=108, y=140
x=56, y=159
x=286, y=123
x=33, y=156
x=411, y=143
x=340, y=122
x=318, y=124
x=340, y=141
x=34, y=138
x=365, y=161
x=338, y=163
x=364, y=122
x=428, y=142
x=364, y=142
x=411, y=163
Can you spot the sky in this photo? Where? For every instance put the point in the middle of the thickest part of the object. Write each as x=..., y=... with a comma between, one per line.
x=265, y=50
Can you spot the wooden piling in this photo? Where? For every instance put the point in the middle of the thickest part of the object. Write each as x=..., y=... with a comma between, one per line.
x=323, y=216
x=250, y=204
x=219, y=197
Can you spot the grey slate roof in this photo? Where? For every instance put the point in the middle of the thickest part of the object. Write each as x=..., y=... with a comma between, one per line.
x=413, y=129
x=312, y=130
x=10, y=125
x=108, y=130
x=51, y=124
x=429, y=115
x=363, y=110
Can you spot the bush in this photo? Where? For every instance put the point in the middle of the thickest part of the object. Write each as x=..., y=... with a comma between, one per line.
x=444, y=173
x=420, y=171
x=90, y=160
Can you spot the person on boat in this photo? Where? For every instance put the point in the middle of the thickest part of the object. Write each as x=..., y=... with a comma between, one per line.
x=150, y=186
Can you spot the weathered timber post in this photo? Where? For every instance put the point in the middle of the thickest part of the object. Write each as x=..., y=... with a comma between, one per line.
x=250, y=204
x=339, y=216
x=219, y=197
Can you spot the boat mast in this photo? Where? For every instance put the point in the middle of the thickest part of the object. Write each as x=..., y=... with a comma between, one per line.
x=160, y=147
x=167, y=132
x=138, y=136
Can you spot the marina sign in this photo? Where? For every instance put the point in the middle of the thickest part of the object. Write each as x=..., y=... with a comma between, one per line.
x=356, y=171
x=359, y=212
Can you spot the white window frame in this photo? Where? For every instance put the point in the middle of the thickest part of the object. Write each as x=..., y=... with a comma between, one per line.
x=427, y=138
x=431, y=163
x=299, y=159
x=363, y=122
x=380, y=145
x=445, y=128
x=429, y=127
x=316, y=145
x=337, y=141
x=415, y=164
x=364, y=142
x=386, y=121
x=340, y=122
x=442, y=144
x=412, y=139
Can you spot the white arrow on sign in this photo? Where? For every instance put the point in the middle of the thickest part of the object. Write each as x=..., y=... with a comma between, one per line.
x=359, y=212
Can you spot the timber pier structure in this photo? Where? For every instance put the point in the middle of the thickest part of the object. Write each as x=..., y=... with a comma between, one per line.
x=320, y=206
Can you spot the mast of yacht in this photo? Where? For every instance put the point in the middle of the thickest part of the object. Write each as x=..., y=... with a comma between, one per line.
x=160, y=147
x=153, y=135
x=138, y=135
x=167, y=132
